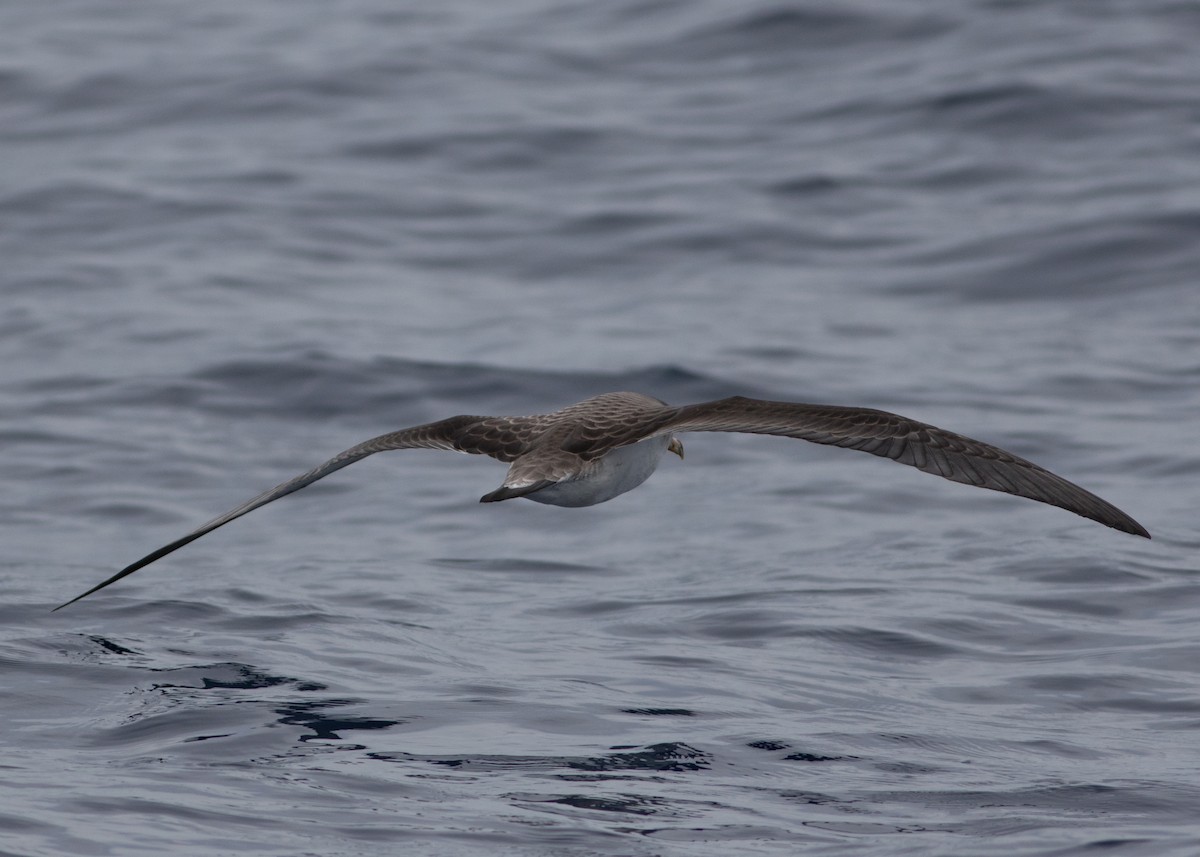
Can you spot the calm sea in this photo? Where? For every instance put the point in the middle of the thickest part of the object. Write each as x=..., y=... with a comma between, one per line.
x=236, y=238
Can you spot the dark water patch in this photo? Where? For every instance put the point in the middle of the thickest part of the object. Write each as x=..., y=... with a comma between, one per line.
x=773, y=353
x=15, y=84
x=807, y=186
x=666, y=757
x=312, y=715
x=795, y=35
x=768, y=745
x=1071, y=605
x=889, y=644
x=625, y=803
x=113, y=648
x=675, y=661
x=265, y=177
x=1023, y=109
x=811, y=757
x=656, y=757
x=504, y=147
x=516, y=564
x=41, y=437
x=88, y=648
x=593, y=606
x=729, y=833
x=734, y=597
x=614, y=222
x=1134, y=847
x=94, y=648
x=907, y=770
x=660, y=712
x=430, y=214
x=747, y=624
x=477, y=691
x=231, y=704
x=227, y=676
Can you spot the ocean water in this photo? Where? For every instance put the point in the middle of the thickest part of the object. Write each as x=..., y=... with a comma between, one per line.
x=240, y=237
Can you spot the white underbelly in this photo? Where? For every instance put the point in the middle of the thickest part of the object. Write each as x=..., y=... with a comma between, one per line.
x=621, y=470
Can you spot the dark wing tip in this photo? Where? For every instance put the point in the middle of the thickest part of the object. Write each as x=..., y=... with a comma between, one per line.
x=439, y=435
x=95, y=588
x=141, y=563
x=1127, y=524
x=906, y=441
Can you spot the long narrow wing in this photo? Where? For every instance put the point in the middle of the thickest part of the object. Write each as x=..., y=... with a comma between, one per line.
x=460, y=434
x=925, y=447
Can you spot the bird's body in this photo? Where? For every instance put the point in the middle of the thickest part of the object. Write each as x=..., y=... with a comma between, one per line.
x=611, y=475
x=597, y=449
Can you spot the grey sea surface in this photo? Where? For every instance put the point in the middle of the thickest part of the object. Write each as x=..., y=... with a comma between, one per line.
x=237, y=238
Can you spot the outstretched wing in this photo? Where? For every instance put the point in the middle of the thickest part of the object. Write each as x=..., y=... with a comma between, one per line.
x=925, y=447
x=498, y=437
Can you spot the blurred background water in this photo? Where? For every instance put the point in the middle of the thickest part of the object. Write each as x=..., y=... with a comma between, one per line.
x=240, y=237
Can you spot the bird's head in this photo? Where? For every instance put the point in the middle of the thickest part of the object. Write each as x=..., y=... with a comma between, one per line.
x=676, y=447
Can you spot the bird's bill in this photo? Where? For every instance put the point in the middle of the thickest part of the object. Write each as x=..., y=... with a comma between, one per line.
x=676, y=447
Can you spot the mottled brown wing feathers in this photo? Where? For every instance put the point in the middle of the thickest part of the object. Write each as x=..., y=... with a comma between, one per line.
x=928, y=448
x=502, y=438
x=593, y=433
